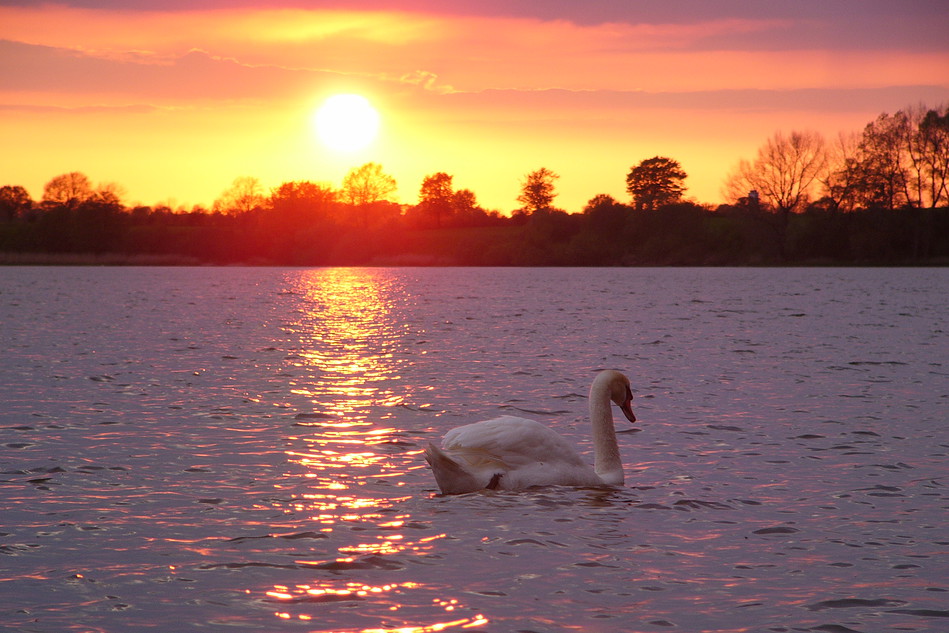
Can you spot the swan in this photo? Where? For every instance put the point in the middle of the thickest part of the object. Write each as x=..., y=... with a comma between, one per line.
x=512, y=453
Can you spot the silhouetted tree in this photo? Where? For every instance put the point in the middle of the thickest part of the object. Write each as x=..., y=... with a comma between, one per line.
x=842, y=173
x=606, y=215
x=68, y=190
x=467, y=211
x=655, y=182
x=297, y=226
x=298, y=204
x=882, y=167
x=928, y=151
x=110, y=193
x=891, y=179
x=603, y=237
x=244, y=195
x=784, y=174
x=436, y=197
x=14, y=202
x=537, y=190
x=365, y=186
x=303, y=200
x=97, y=226
x=546, y=238
x=901, y=160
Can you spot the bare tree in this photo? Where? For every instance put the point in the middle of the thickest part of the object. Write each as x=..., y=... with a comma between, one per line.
x=782, y=177
x=784, y=173
x=245, y=194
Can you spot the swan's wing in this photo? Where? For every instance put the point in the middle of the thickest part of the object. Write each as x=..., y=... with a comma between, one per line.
x=451, y=477
x=516, y=453
x=509, y=442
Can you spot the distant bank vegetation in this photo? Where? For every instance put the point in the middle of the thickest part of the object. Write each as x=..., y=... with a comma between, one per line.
x=875, y=197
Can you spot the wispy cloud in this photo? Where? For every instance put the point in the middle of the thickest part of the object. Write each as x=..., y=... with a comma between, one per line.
x=474, y=53
x=47, y=109
x=195, y=75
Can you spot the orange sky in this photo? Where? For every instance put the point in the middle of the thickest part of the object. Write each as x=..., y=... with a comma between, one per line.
x=173, y=100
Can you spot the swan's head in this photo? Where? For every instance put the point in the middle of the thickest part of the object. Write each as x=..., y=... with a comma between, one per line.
x=620, y=392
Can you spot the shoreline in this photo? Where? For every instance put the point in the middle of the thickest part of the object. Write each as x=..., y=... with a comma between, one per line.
x=170, y=260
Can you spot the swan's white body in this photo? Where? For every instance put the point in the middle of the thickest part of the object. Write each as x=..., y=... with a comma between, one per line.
x=511, y=453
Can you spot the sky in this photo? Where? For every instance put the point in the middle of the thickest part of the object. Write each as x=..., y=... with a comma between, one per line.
x=174, y=99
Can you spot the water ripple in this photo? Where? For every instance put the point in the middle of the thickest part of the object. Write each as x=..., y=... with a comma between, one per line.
x=192, y=449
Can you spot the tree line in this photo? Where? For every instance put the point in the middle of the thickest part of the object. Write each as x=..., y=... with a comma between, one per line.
x=879, y=196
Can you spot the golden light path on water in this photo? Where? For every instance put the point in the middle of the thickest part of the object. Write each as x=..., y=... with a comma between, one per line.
x=345, y=338
x=346, y=333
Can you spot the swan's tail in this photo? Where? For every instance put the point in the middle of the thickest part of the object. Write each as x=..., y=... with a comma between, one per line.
x=451, y=477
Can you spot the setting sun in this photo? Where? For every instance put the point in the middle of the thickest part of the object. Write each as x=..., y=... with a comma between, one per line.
x=347, y=122
x=173, y=101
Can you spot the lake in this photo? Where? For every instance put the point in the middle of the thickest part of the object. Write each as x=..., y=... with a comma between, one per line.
x=195, y=449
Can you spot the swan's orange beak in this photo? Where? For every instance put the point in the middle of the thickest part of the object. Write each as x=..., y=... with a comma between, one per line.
x=627, y=406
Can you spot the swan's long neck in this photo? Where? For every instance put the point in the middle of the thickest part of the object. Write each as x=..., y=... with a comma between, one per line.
x=606, y=457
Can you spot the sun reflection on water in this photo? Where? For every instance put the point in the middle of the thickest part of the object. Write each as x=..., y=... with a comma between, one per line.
x=348, y=467
x=347, y=332
x=322, y=592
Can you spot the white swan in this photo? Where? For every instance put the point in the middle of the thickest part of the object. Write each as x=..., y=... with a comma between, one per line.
x=511, y=453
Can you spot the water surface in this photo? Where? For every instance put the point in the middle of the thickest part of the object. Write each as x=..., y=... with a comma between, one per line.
x=194, y=449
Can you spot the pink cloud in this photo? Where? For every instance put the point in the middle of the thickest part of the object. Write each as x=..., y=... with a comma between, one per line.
x=474, y=53
x=194, y=76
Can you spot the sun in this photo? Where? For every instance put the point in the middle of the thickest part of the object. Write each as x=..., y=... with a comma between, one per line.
x=347, y=122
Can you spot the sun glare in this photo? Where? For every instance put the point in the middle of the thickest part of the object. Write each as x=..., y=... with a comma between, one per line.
x=347, y=122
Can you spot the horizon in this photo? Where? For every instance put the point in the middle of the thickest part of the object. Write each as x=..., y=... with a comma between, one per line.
x=173, y=101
